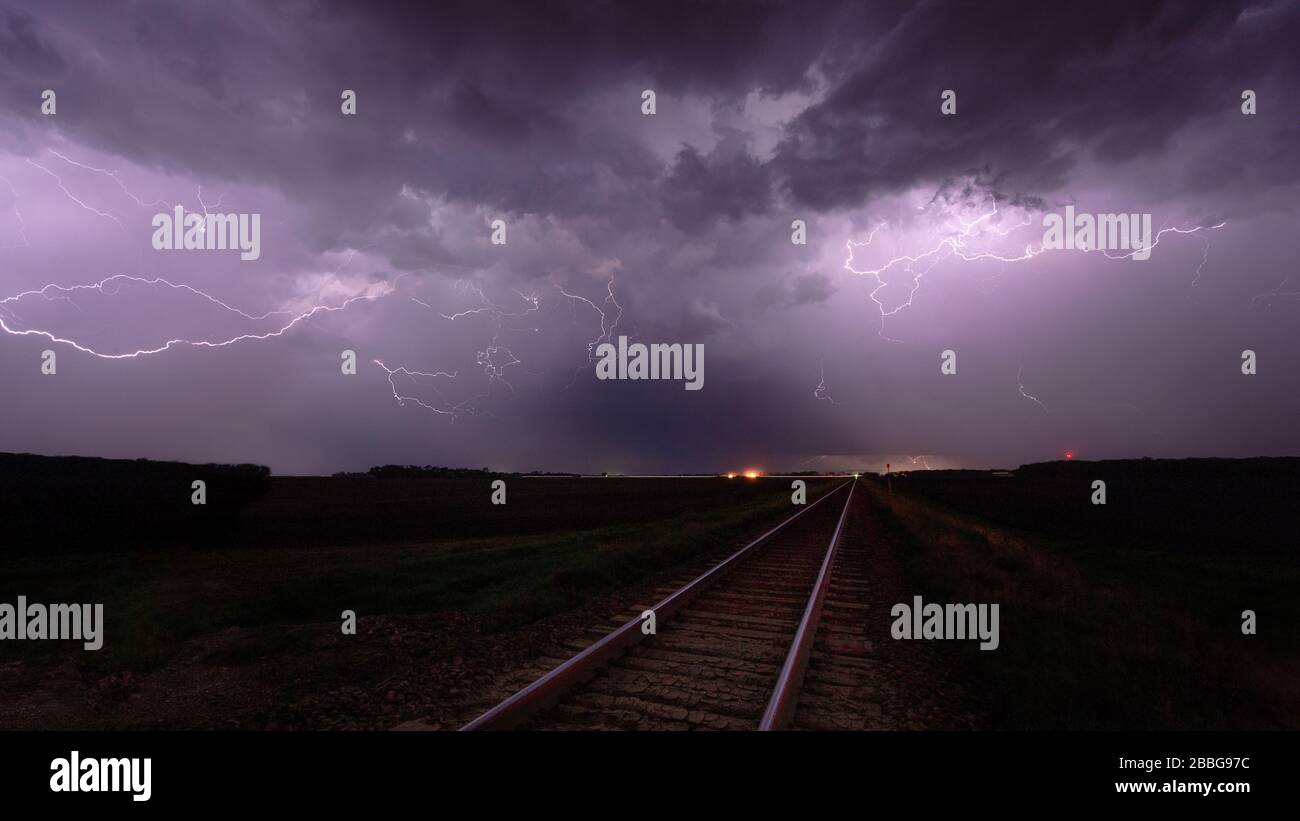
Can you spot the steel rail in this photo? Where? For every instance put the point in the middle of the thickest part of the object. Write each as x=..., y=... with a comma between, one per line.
x=780, y=708
x=545, y=691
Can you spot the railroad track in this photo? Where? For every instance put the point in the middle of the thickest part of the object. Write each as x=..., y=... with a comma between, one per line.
x=732, y=646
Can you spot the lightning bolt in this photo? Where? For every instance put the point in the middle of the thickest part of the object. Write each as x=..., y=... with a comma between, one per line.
x=220, y=197
x=607, y=325
x=952, y=245
x=446, y=407
x=22, y=226
x=821, y=392
x=73, y=197
x=1020, y=380
x=1204, y=257
x=115, y=177
x=496, y=359
x=1276, y=293
x=10, y=320
x=1156, y=241
x=53, y=292
x=957, y=244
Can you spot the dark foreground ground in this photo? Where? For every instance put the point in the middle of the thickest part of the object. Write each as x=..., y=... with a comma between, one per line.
x=1126, y=615
x=1123, y=616
x=451, y=592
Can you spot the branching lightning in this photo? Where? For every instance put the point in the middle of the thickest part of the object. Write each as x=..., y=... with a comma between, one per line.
x=495, y=359
x=953, y=245
x=607, y=325
x=821, y=392
x=446, y=407
x=956, y=244
x=80, y=203
x=59, y=292
x=115, y=177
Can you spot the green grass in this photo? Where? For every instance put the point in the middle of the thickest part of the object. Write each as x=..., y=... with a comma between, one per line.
x=155, y=601
x=1098, y=637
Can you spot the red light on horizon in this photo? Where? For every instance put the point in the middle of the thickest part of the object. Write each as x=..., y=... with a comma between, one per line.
x=1069, y=454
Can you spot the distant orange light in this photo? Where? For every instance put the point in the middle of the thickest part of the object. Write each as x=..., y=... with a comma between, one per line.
x=752, y=474
x=731, y=476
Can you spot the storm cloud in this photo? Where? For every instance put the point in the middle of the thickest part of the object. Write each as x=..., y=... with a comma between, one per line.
x=673, y=227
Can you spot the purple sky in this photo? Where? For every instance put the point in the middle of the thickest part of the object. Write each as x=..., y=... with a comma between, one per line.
x=766, y=113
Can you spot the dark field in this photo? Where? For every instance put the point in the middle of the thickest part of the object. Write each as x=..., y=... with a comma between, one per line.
x=429, y=560
x=1122, y=616
x=1225, y=507
x=86, y=505
x=319, y=510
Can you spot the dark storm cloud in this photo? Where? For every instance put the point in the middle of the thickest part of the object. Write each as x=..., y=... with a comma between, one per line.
x=727, y=183
x=469, y=111
x=567, y=47
x=490, y=93
x=810, y=289
x=21, y=44
x=1039, y=87
x=805, y=289
x=487, y=89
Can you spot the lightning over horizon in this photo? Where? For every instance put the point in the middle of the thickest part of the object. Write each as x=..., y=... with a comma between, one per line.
x=448, y=367
x=204, y=224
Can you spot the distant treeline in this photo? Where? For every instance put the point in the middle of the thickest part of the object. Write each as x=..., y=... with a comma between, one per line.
x=437, y=472
x=75, y=503
x=1237, y=505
